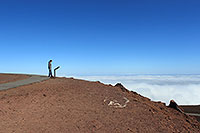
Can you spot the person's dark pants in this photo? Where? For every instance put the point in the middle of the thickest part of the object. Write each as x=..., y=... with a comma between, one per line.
x=50, y=73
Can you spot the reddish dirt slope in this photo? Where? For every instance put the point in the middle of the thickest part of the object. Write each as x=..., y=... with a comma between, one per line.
x=5, y=78
x=70, y=105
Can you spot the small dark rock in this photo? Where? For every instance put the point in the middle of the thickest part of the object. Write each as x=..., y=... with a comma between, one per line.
x=134, y=92
x=98, y=82
x=44, y=95
x=174, y=105
x=110, y=85
x=188, y=121
x=121, y=87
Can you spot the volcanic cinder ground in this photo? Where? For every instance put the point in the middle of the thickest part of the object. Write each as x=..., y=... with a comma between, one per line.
x=5, y=78
x=64, y=105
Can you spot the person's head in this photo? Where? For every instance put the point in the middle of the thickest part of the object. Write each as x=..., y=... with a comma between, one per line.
x=50, y=61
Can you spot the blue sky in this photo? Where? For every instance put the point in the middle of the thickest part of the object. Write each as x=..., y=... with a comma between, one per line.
x=100, y=36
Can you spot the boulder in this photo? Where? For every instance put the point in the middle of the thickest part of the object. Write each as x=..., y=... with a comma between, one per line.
x=121, y=87
x=174, y=105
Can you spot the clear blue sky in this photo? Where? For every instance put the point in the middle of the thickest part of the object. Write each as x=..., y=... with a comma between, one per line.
x=100, y=36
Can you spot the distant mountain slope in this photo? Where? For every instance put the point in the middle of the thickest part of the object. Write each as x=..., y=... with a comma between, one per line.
x=72, y=105
x=195, y=109
x=191, y=108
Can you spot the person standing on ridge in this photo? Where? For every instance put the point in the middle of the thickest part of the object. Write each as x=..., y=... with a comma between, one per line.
x=49, y=67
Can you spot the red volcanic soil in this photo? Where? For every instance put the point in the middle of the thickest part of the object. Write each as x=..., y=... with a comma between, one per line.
x=5, y=78
x=69, y=105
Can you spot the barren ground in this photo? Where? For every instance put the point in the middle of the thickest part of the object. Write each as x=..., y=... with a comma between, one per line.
x=5, y=78
x=70, y=105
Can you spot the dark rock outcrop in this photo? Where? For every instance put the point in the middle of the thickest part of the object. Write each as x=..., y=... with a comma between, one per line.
x=174, y=105
x=121, y=87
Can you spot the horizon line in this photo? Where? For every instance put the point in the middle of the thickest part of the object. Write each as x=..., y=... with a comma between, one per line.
x=98, y=74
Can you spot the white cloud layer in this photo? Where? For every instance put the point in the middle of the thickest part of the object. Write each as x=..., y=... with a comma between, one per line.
x=184, y=89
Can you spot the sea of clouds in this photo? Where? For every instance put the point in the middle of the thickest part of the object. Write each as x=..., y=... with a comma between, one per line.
x=184, y=89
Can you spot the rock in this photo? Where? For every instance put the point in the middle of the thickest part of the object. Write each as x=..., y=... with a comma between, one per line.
x=135, y=93
x=174, y=105
x=121, y=87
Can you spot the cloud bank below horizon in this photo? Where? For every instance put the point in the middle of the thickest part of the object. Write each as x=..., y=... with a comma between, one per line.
x=184, y=89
